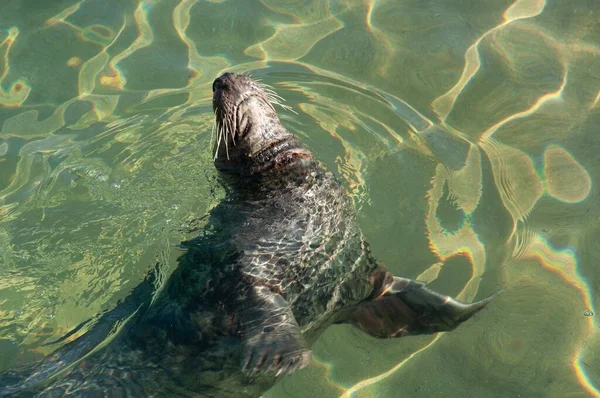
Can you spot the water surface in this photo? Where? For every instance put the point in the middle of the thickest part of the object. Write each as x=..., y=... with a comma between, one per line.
x=466, y=133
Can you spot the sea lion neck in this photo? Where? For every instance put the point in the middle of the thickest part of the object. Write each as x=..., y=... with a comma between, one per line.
x=250, y=138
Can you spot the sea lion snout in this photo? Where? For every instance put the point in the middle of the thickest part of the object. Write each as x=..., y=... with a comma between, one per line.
x=234, y=84
x=220, y=82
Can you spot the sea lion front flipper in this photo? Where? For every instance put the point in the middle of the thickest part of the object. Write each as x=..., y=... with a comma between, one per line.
x=406, y=307
x=272, y=340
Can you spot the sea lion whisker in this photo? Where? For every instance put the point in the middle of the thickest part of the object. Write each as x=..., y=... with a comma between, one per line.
x=216, y=148
x=274, y=94
x=265, y=86
x=232, y=124
x=275, y=99
x=226, y=140
x=274, y=102
x=212, y=133
x=224, y=135
x=219, y=136
x=271, y=99
x=279, y=98
x=232, y=129
x=286, y=107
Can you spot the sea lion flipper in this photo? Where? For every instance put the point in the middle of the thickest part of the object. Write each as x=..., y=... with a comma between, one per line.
x=407, y=307
x=272, y=340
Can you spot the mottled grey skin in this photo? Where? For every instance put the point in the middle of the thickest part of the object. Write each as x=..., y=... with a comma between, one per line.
x=281, y=259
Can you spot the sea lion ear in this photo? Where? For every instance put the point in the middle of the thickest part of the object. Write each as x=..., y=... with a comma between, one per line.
x=406, y=307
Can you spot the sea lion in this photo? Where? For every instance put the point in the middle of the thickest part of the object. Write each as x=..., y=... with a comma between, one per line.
x=281, y=259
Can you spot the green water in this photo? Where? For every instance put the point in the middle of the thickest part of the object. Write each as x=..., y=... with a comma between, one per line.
x=465, y=131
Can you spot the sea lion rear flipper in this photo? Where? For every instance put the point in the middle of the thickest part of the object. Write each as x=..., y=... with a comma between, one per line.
x=407, y=307
x=272, y=340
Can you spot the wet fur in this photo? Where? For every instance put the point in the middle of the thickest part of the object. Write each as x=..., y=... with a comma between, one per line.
x=281, y=259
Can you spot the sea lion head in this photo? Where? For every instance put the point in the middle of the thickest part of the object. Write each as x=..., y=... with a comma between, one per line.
x=249, y=136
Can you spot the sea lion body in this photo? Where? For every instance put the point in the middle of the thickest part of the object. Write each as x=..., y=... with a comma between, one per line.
x=280, y=260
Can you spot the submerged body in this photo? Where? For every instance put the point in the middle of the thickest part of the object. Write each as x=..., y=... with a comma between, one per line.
x=281, y=259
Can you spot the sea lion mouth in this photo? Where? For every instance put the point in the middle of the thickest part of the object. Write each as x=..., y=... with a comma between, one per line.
x=245, y=119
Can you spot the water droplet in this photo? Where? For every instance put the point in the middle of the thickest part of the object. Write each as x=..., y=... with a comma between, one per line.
x=588, y=313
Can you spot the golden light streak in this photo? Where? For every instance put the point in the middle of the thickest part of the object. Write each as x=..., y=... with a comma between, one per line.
x=181, y=21
x=465, y=240
x=64, y=14
x=145, y=37
x=74, y=62
x=312, y=23
x=520, y=9
x=327, y=376
x=581, y=375
x=19, y=90
x=431, y=273
x=563, y=262
x=372, y=380
x=595, y=101
x=92, y=67
x=555, y=95
x=352, y=165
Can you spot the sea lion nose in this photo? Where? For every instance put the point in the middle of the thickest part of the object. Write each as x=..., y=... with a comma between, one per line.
x=219, y=82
